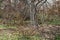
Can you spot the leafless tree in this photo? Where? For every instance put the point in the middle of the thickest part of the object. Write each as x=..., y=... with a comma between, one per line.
x=33, y=12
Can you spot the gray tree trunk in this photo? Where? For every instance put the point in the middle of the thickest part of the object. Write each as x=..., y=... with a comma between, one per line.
x=33, y=15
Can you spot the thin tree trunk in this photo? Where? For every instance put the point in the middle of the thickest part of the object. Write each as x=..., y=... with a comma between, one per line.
x=32, y=13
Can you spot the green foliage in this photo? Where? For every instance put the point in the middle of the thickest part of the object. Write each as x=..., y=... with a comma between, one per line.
x=7, y=35
x=5, y=26
x=15, y=36
x=57, y=37
x=26, y=37
x=54, y=22
x=1, y=2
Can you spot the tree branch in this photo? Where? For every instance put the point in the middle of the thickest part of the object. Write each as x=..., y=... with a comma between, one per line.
x=40, y=2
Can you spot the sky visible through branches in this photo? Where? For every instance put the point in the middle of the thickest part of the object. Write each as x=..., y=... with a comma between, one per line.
x=50, y=1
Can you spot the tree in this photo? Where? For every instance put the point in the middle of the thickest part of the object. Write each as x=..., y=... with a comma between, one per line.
x=25, y=7
x=33, y=11
x=32, y=6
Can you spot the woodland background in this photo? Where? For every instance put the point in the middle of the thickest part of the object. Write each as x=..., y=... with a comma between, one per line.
x=29, y=20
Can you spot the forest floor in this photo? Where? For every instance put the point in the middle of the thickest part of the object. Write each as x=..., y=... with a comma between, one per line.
x=45, y=32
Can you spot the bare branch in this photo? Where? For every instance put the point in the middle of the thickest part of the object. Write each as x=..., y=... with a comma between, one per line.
x=40, y=2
